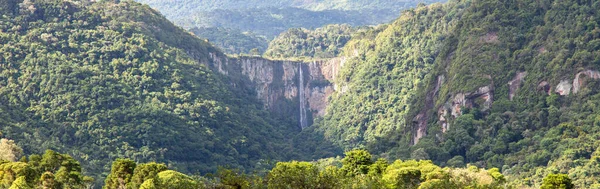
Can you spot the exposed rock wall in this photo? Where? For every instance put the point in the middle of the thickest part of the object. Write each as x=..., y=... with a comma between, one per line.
x=515, y=84
x=423, y=117
x=564, y=88
x=299, y=89
x=578, y=81
x=483, y=98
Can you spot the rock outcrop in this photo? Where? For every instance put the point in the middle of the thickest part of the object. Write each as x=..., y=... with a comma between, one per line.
x=515, y=84
x=579, y=80
x=564, y=88
x=421, y=119
x=482, y=98
x=284, y=87
x=545, y=87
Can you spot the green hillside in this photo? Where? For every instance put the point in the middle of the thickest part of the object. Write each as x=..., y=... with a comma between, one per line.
x=508, y=86
x=384, y=77
x=182, y=8
x=103, y=80
x=320, y=43
x=232, y=41
x=270, y=22
x=438, y=78
x=270, y=18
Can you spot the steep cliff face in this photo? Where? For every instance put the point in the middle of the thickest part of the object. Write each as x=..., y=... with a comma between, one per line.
x=287, y=88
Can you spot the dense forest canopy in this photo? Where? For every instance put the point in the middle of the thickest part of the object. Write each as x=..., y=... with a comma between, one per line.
x=507, y=84
x=233, y=41
x=267, y=19
x=181, y=8
x=101, y=80
x=465, y=94
x=321, y=43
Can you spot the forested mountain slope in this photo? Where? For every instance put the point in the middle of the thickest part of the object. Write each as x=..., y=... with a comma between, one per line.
x=320, y=43
x=382, y=77
x=173, y=9
x=269, y=22
x=101, y=80
x=505, y=84
x=269, y=18
x=508, y=84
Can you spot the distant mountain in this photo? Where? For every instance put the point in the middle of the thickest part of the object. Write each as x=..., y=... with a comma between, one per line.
x=270, y=22
x=270, y=18
x=232, y=41
x=181, y=8
x=512, y=86
x=506, y=84
x=104, y=80
x=321, y=43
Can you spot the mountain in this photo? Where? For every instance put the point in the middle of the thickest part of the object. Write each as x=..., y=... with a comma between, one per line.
x=181, y=8
x=510, y=86
x=502, y=84
x=268, y=19
x=232, y=41
x=270, y=22
x=104, y=80
x=325, y=42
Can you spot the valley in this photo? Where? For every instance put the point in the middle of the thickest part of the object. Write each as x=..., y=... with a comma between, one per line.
x=459, y=94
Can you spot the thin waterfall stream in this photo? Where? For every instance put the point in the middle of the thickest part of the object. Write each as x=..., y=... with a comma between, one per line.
x=302, y=104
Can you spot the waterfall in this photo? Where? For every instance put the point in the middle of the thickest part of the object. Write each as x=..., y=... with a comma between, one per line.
x=303, y=121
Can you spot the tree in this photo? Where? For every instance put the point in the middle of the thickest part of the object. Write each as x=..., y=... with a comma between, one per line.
x=233, y=178
x=20, y=183
x=356, y=162
x=8, y=7
x=557, y=181
x=456, y=161
x=148, y=184
x=10, y=171
x=255, y=52
x=144, y=172
x=378, y=167
x=48, y=182
x=419, y=154
x=120, y=174
x=9, y=151
x=408, y=178
x=293, y=175
x=174, y=179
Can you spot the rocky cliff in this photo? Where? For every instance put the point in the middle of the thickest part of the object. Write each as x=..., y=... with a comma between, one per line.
x=483, y=98
x=287, y=88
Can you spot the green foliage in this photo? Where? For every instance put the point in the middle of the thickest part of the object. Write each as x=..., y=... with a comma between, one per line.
x=378, y=167
x=188, y=6
x=401, y=78
x=557, y=181
x=271, y=21
x=20, y=183
x=232, y=41
x=120, y=174
x=53, y=171
x=356, y=162
x=102, y=81
x=277, y=15
x=8, y=7
x=149, y=184
x=143, y=172
x=174, y=179
x=403, y=178
x=384, y=70
x=324, y=42
x=233, y=178
x=294, y=174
